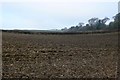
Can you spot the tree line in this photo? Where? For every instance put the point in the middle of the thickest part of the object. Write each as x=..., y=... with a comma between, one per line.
x=96, y=24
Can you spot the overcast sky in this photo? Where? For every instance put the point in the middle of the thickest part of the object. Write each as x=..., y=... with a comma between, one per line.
x=51, y=14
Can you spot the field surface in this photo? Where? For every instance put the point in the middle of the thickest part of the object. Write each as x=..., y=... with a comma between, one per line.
x=59, y=56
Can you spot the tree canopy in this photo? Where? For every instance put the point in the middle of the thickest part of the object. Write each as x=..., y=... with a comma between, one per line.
x=96, y=24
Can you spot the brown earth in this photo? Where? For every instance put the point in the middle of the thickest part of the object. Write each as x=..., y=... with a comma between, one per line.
x=59, y=56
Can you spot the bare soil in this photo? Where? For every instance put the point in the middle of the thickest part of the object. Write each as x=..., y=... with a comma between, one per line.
x=59, y=56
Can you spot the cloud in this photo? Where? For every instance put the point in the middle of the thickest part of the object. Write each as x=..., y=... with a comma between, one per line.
x=71, y=1
x=17, y=22
x=45, y=15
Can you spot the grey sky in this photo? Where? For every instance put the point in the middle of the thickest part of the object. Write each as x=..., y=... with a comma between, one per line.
x=53, y=15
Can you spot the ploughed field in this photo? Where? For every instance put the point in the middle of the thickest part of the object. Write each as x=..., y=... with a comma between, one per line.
x=59, y=56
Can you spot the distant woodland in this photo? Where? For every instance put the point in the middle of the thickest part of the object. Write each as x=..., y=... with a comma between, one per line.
x=96, y=24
